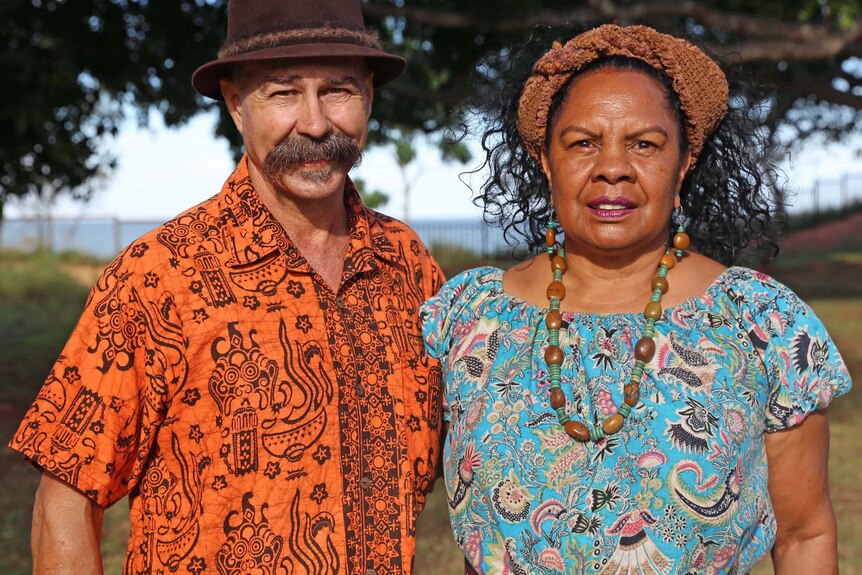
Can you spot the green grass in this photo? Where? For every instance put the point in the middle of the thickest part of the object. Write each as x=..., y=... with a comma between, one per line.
x=39, y=305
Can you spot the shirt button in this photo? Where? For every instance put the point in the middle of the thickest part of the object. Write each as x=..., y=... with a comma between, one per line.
x=371, y=572
x=339, y=303
x=365, y=482
x=360, y=391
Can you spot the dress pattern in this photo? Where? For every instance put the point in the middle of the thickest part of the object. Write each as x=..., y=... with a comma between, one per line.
x=258, y=421
x=682, y=488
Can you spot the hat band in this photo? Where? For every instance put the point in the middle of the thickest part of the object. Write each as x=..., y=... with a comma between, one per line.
x=302, y=36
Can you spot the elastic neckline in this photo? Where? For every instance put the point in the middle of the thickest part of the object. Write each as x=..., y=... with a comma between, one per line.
x=688, y=303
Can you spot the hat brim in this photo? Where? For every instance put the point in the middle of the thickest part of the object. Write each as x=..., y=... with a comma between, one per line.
x=386, y=67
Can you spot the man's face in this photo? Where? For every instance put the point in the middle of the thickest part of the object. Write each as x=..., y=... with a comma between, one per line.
x=303, y=121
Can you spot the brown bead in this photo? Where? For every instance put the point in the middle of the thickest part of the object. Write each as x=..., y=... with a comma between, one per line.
x=551, y=237
x=553, y=320
x=613, y=424
x=659, y=282
x=577, y=430
x=558, y=398
x=652, y=310
x=645, y=349
x=559, y=263
x=557, y=290
x=680, y=240
x=632, y=393
x=667, y=260
x=554, y=355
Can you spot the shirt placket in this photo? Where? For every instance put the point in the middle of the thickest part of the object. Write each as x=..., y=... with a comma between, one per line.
x=372, y=537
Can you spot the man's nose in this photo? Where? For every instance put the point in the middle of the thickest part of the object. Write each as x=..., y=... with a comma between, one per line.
x=313, y=121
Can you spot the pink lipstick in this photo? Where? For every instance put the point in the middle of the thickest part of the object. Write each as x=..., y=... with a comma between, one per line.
x=611, y=208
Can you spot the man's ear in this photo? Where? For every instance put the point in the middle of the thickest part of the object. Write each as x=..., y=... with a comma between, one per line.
x=369, y=94
x=233, y=99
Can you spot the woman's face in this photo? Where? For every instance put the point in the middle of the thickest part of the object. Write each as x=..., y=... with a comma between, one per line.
x=614, y=163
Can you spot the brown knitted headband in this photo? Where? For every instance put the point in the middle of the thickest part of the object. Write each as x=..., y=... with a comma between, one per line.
x=696, y=78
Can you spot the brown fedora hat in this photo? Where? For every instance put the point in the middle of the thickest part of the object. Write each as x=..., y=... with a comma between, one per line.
x=273, y=29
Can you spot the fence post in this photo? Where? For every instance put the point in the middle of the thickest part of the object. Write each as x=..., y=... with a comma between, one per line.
x=815, y=197
x=49, y=234
x=485, y=248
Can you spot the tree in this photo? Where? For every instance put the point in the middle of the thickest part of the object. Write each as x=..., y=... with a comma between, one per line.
x=371, y=198
x=73, y=69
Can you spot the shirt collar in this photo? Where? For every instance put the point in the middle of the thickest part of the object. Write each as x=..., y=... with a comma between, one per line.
x=251, y=232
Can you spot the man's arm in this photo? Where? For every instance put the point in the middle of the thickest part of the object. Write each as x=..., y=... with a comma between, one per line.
x=799, y=488
x=67, y=530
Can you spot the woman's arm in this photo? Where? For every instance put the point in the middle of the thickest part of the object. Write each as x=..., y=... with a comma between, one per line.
x=67, y=530
x=799, y=488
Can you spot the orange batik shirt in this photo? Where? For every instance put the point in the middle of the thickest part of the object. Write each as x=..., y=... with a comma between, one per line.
x=258, y=421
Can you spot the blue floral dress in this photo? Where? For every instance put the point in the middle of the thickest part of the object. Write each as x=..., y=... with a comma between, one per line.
x=682, y=488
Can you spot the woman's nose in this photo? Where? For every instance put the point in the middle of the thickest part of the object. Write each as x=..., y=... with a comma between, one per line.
x=613, y=165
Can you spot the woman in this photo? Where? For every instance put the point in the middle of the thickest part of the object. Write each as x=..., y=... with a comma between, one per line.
x=626, y=406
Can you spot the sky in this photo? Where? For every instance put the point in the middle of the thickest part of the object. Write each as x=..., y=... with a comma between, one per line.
x=163, y=171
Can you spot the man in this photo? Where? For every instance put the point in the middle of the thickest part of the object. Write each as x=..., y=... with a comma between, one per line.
x=251, y=373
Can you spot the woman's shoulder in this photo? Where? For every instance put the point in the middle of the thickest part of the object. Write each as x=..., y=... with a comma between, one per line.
x=748, y=286
x=465, y=290
x=456, y=305
x=471, y=284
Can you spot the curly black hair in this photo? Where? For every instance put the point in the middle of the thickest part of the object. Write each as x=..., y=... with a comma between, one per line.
x=727, y=198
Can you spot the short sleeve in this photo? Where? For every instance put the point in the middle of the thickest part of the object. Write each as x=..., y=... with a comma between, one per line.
x=804, y=368
x=95, y=418
x=446, y=310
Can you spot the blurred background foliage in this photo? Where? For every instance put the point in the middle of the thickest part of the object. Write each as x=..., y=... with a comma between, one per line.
x=73, y=70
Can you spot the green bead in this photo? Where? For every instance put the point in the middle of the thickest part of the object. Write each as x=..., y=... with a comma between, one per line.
x=597, y=433
x=625, y=410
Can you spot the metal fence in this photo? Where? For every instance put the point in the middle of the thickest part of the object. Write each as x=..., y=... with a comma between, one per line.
x=105, y=237
x=825, y=195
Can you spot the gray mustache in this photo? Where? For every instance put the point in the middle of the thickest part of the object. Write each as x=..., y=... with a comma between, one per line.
x=335, y=147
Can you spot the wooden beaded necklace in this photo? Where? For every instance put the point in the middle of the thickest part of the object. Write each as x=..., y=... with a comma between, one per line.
x=644, y=348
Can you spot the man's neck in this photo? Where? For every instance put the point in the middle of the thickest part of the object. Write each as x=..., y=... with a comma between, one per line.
x=317, y=227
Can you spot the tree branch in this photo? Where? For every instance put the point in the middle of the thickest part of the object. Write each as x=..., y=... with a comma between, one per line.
x=771, y=40
x=809, y=85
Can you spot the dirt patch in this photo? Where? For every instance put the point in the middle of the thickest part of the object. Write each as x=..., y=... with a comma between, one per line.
x=824, y=237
